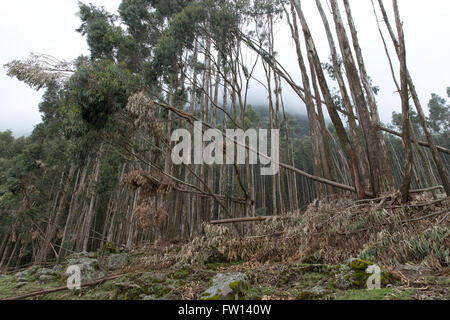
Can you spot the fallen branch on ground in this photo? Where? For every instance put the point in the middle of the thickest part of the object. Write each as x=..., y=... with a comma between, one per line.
x=45, y=292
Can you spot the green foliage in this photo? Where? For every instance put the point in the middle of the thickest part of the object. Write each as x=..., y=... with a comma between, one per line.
x=439, y=113
x=102, y=35
x=100, y=89
x=179, y=35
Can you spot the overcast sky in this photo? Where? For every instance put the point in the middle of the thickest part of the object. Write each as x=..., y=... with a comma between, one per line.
x=48, y=26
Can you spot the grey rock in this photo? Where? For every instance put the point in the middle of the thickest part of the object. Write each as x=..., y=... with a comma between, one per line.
x=114, y=262
x=44, y=279
x=226, y=287
x=352, y=274
x=59, y=270
x=89, y=268
x=23, y=276
x=127, y=285
x=20, y=285
x=20, y=277
x=318, y=291
x=46, y=272
x=343, y=279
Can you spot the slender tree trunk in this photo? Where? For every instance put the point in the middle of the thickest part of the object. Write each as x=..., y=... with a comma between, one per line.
x=340, y=130
x=406, y=183
x=370, y=132
x=52, y=227
x=383, y=158
x=434, y=151
x=13, y=253
x=91, y=212
x=346, y=101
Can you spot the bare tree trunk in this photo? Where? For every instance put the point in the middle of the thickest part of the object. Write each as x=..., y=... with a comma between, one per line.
x=340, y=130
x=316, y=135
x=53, y=226
x=370, y=132
x=406, y=184
x=434, y=151
x=90, y=215
x=384, y=163
x=11, y=257
x=6, y=251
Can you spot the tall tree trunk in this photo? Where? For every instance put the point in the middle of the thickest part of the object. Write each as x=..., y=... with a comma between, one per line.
x=443, y=174
x=316, y=135
x=370, y=132
x=346, y=101
x=91, y=212
x=406, y=183
x=337, y=122
x=52, y=227
x=383, y=158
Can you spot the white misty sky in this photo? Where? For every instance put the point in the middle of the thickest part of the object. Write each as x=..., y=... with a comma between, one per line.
x=48, y=26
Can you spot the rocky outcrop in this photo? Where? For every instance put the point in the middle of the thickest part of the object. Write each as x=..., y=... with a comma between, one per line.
x=114, y=261
x=89, y=267
x=25, y=275
x=226, y=287
x=46, y=275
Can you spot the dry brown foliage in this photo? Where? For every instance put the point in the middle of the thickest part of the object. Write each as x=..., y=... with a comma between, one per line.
x=141, y=108
x=148, y=184
x=333, y=231
x=149, y=211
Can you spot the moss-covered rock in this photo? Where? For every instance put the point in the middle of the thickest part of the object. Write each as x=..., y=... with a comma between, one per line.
x=353, y=275
x=226, y=287
x=27, y=275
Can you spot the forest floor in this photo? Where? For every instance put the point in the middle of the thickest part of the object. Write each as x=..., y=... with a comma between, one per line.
x=301, y=256
x=270, y=281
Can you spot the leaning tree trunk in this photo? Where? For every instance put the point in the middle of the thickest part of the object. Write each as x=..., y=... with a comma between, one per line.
x=406, y=184
x=346, y=100
x=383, y=156
x=434, y=150
x=370, y=132
x=337, y=122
